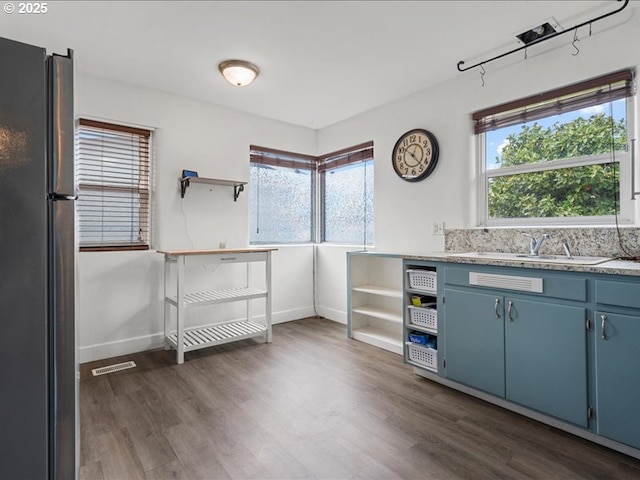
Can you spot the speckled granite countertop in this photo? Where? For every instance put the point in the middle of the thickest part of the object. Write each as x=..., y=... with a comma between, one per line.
x=611, y=267
x=603, y=242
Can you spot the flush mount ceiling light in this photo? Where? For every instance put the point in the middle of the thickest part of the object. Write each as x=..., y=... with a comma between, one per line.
x=238, y=72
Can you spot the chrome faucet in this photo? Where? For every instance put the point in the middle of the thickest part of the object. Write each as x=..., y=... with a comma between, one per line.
x=536, y=243
x=567, y=252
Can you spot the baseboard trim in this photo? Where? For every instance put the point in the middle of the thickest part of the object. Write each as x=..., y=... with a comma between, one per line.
x=332, y=314
x=153, y=341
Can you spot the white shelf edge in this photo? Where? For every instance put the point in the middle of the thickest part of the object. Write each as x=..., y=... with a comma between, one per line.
x=430, y=293
x=378, y=290
x=422, y=329
x=380, y=313
x=379, y=338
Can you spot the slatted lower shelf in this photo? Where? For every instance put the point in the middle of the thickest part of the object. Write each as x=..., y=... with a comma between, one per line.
x=217, y=335
x=219, y=296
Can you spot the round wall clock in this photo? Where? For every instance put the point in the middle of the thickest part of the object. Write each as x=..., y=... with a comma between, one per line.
x=415, y=155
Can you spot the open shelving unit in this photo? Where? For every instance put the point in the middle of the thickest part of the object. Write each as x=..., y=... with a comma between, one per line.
x=421, y=315
x=374, y=299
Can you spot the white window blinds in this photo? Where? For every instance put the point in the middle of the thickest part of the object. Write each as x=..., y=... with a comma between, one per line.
x=112, y=166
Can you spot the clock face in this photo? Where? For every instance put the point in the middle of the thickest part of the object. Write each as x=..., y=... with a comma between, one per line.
x=415, y=155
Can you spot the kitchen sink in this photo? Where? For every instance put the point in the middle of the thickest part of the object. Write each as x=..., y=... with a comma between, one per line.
x=523, y=257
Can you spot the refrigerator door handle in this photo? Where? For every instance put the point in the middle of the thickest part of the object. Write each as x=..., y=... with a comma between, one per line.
x=61, y=196
x=61, y=128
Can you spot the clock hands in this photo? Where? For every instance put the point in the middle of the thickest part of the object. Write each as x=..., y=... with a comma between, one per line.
x=412, y=154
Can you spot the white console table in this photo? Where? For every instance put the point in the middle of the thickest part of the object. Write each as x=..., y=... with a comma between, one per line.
x=183, y=340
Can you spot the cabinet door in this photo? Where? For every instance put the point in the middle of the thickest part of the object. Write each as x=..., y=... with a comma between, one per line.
x=546, y=358
x=474, y=340
x=618, y=377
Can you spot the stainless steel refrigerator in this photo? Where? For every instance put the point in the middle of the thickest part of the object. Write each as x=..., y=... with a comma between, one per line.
x=38, y=361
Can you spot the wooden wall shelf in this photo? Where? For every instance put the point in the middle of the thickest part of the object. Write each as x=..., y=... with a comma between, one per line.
x=237, y=185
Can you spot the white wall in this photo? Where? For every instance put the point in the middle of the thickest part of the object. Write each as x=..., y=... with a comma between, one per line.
x=120, y=293
x=120, y=298
x=404, y=212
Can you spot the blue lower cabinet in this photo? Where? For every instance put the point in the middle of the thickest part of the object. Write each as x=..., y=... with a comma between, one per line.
x=618, y=377
x=530, y=352
x=546, y=358
x=474, y=340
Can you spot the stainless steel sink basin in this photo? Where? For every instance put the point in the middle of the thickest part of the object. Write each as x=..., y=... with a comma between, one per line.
x=522, y=257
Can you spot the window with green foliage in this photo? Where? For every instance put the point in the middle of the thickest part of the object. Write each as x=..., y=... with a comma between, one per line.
x=557, y=157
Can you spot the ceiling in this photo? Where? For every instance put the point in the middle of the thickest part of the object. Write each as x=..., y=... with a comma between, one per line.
x=321, y=61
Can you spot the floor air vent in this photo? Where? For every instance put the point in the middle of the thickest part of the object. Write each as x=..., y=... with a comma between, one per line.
x=112, y=368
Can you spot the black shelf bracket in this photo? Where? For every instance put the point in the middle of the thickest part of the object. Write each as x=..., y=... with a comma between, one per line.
x=543, y=39
x=184, y=183
x=236, y=191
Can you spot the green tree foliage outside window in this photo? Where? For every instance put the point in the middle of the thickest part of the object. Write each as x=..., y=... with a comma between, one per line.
x=588, y=190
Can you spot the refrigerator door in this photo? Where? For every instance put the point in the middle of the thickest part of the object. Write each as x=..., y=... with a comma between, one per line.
x=23, y=263
x=63, y=381
x=62, y=248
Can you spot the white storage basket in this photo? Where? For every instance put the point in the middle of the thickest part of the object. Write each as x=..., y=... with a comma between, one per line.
x=423, y=317
x=423, y=280
x=425, y=356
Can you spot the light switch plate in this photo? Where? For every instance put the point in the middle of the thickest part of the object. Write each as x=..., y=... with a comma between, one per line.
x=437, y=228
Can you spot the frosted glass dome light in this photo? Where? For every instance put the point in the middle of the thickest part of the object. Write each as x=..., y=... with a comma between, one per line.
x=238, y=72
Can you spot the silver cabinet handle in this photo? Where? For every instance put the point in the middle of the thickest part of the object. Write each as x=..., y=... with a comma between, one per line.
x=509, y=311
x=603, y=326
x=497, y=308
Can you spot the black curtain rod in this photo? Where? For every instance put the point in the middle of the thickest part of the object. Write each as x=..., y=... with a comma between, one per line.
x=542, y=39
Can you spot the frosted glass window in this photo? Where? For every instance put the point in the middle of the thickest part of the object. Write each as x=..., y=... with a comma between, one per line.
x=347, y=201
x=280, y=204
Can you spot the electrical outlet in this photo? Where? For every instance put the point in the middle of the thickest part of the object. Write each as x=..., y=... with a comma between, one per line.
x=437, y=228
x=223, y=245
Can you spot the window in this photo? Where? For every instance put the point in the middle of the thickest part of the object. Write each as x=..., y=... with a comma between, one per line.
x=281, y=196
x=112, y=166
x=283, y=191
x=346, y=179
x=557, y=157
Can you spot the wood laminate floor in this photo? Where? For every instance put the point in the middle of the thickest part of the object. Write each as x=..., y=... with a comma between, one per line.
x=313, y=404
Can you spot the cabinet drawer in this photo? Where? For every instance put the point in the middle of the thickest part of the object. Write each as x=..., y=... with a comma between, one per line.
x=621, y=294
x=230, y=257
x=519, y=280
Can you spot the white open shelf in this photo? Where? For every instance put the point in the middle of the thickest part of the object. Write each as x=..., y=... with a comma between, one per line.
x=379, y=290
x=380, y=313
x=379, y=338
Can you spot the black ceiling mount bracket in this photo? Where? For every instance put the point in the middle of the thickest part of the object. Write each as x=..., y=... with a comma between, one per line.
x=542, y=39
